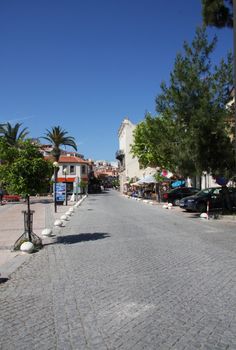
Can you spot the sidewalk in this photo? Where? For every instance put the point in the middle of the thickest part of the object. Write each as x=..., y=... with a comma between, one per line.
x=12, y=227
x=230, y=218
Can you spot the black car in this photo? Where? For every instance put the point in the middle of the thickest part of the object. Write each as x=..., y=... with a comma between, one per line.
x=174, y=196
x=212, y=196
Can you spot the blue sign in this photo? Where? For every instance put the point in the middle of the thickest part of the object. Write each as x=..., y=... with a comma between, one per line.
x=60, y=191
x=178, y=183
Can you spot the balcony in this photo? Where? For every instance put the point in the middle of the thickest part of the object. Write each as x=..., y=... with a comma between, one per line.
x=120, y=155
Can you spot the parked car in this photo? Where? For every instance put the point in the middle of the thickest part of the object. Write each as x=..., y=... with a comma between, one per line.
x=174, y=196
x=212, y=195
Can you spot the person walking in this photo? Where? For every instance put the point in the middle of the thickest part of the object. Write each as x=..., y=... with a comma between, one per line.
x=1, y=196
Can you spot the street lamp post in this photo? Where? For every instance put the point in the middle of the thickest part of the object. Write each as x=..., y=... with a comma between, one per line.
x=65, y=172
x=55, y=166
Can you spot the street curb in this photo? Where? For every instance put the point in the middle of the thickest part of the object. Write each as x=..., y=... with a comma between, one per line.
x=12, y=265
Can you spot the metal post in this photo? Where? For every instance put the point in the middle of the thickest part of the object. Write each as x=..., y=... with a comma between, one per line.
x=55, y=190
x=28, y=218
x=56, y=166
x=65, y=188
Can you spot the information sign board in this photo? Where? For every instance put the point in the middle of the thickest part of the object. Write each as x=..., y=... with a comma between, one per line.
x=60, y=191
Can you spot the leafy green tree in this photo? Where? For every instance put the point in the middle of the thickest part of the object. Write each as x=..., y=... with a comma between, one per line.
x=28, y=172
x=218, y=13
x=7, y=152
x=190, y=133
x=152, y=142
x=59, y=137
x=13, y=134
x=195, y=100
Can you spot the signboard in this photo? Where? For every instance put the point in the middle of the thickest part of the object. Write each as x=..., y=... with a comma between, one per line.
x=60, y=191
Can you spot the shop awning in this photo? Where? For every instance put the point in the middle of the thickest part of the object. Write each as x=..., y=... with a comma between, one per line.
x=68, y=179
x=149, y=179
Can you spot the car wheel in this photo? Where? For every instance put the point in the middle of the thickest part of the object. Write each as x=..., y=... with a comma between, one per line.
x=176, y=202
x=202, y=208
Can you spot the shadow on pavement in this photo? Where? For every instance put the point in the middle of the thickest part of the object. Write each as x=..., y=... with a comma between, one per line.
x=42, y=200
x=3, y=279
x=194, y=216
x=82, y=237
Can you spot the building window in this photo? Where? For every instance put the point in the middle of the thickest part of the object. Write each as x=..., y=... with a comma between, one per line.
x=83, y=169
x=72, y=169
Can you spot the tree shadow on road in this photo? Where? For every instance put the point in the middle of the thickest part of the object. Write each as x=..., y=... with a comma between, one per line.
x=82, y=237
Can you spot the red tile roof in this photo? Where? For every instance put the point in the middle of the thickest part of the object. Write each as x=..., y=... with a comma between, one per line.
x=68, y=159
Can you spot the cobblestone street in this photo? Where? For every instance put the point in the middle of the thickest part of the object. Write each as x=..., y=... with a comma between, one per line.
x=125, y=275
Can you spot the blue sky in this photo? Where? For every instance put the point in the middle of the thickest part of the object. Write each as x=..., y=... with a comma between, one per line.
x=85, y=65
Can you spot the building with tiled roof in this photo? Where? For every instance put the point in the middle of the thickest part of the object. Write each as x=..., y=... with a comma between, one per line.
x=71, y=169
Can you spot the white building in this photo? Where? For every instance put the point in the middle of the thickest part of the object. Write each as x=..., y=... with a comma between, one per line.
x=71, y=167
x=129, y=167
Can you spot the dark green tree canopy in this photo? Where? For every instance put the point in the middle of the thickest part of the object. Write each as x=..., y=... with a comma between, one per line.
x=190, y=133
x=59, y=137
x=218, y=13
x=196, y=100
x=27, y=172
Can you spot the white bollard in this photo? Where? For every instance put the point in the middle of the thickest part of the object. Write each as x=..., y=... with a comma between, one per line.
x=47, y=232
x=58, y=223
x=27, y=247
x=204, y=216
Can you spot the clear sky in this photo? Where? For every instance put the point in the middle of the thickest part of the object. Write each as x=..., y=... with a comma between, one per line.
x=87, y=64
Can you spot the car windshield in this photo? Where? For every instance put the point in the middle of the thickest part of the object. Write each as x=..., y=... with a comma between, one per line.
x=205, y=191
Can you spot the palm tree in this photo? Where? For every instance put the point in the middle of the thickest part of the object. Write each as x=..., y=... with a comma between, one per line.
x=12, y=133
x=58, y=137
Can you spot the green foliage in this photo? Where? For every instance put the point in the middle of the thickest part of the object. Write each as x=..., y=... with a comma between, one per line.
x=158, y=177
x=83, y=184
x=27, y=172
x=218, y=13
x=190, y=135
x=115, y=182
x=195, y=100
x=7, y=152
x=153, y=142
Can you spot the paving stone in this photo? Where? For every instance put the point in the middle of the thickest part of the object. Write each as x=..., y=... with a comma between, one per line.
x=125, y=276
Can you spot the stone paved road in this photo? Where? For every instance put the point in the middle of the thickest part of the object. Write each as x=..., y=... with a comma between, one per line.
x=125, y=275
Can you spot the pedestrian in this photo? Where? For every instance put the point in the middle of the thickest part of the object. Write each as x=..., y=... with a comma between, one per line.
x=1, y=196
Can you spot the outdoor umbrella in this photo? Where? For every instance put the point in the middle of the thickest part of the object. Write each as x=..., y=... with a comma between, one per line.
x=149, y=179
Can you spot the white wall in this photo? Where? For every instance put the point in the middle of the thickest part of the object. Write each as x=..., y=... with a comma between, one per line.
x=132, y=168
x=78, y=170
